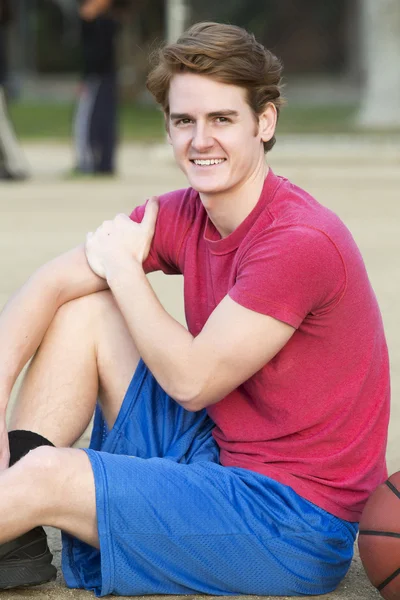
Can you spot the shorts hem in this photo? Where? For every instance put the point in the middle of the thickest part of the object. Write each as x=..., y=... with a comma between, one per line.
x=107, y=569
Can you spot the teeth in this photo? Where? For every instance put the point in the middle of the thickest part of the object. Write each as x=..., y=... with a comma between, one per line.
x=208, y=162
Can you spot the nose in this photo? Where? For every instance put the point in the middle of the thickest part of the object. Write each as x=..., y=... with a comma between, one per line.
x=202, y=139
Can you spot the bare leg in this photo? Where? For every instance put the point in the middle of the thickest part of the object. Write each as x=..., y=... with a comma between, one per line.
x=49, y=486
x=86, y=353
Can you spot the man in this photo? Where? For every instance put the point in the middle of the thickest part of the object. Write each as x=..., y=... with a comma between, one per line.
x=13, y=165
x=95, y=126
x=246, y=446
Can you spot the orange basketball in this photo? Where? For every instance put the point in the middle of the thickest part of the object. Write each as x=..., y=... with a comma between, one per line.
x=379, y=538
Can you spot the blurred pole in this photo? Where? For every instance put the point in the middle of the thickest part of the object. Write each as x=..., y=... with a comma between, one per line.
x=354, y=62
x=380, y=22
x=176, y=17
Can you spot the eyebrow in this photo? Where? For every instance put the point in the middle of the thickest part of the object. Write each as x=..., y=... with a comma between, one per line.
x=217, y=113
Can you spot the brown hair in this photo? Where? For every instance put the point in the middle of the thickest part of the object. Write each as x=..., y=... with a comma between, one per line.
x=226, y=53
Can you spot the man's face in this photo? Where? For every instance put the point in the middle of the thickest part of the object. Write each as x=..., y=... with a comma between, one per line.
x=216, y=139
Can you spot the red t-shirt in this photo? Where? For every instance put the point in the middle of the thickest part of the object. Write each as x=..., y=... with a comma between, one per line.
x=316, y=416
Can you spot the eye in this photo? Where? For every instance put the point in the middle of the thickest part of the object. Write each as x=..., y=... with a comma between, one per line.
x=182, y=122
x=222, y=120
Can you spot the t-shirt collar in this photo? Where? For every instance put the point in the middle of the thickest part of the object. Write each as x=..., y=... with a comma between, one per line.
x=212, y=237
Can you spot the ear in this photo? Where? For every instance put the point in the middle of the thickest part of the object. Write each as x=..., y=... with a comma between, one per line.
x=267, y=122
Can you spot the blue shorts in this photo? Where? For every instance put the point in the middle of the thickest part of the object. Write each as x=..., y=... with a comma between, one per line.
x=172, y=520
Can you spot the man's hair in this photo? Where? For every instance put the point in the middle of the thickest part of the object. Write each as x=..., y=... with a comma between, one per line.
x=226, y=53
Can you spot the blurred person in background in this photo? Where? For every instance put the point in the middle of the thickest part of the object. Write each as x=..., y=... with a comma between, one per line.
x=95, y=126
x=12, y=162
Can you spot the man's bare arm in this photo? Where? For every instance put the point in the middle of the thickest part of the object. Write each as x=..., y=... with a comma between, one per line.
x=196, y=371
x=29, y=312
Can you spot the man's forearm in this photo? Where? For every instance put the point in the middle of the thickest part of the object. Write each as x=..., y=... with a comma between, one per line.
x=163, y=343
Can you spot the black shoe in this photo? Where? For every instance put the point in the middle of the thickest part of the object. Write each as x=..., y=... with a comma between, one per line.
x=26, y=560
x=8, y=176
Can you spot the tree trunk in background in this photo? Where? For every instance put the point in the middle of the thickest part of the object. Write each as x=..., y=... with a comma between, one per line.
x=380, y=102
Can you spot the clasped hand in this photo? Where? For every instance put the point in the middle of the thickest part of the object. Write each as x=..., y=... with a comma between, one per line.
x=121, y=239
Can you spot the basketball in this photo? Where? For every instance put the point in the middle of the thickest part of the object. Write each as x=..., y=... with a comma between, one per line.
x=379, y=538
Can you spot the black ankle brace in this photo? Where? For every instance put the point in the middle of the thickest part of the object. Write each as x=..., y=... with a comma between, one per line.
x=21, y=442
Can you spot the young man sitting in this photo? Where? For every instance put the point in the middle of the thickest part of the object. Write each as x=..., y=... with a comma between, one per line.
x=232, y=457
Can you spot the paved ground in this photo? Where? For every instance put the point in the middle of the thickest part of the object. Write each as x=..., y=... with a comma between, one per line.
x=358, y=178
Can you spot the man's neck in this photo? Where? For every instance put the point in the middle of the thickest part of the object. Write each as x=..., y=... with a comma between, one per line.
x=227, y=211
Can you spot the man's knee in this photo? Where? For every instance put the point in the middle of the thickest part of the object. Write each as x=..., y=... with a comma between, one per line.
x=51, y=469
x=54, y=477
x=48, y=462
x=80, y=319
x=42, y=463
x=86, y=309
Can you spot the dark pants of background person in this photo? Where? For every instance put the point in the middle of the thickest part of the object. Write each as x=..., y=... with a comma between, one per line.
x=95, y=126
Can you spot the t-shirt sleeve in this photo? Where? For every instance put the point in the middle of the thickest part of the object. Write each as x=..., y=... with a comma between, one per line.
x=173, y=221
x=289, y=273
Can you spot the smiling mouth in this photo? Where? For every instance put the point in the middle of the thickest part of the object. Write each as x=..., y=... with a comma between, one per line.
x=207, y=162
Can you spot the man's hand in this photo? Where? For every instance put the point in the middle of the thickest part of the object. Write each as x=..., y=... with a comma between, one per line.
x=4, y=446
x=93, y=8
x=117, y=241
